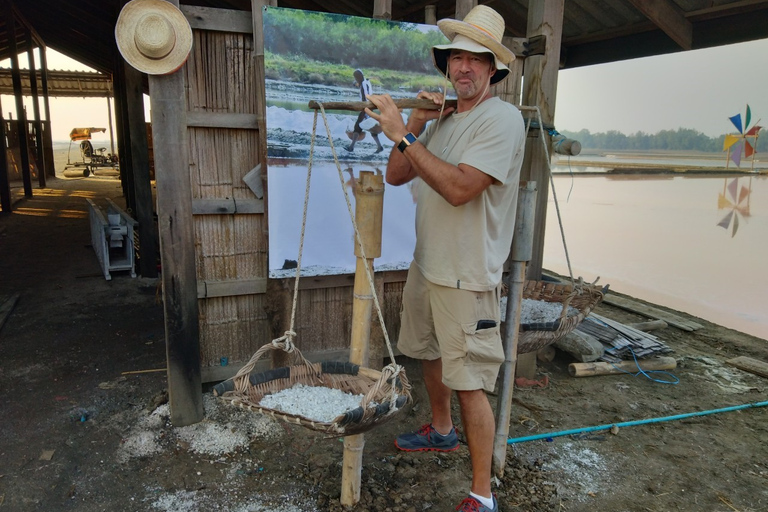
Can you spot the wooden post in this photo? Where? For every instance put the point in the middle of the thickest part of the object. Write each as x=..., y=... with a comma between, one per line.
x=5, y=186
x=545, y=17
x=463, y=7
x=46, y=104
x=369, y=205
x=40, y=154
x=430, y=15
x=520, y=254
x=382, y=9
x=21, y=117
x=139, y=184
x=177, y=240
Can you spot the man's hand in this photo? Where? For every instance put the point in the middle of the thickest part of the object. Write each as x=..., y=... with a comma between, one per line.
x=391, y=120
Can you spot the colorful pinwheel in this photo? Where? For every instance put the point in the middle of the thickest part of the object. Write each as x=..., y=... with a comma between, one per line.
x=739, y=145
x=736, y=201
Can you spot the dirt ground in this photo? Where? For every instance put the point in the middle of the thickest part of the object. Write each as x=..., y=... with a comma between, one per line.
x=79, y=434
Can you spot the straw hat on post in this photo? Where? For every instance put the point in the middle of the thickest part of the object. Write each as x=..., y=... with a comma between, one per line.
x=153, y=36
x=480, y=32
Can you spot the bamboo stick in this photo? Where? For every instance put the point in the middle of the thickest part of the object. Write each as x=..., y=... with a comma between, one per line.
x=399, y=102
x=369, y=204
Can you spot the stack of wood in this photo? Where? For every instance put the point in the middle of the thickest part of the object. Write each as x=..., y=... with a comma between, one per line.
x=622, y=341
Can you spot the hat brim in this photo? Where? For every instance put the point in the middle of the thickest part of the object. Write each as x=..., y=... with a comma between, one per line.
x=125, y=28
x=451, y=28
x=441, y=52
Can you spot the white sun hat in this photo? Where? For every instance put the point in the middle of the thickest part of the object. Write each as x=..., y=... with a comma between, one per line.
x=153, y=36
x=480, y=32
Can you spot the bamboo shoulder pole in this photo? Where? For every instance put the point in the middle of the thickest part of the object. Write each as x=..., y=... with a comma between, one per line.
x=369, y=205
x=399, y=102
x=521, y=252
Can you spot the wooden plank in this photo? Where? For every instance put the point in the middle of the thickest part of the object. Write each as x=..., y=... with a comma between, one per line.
x=227, y=206
x=177, y=243
x=651, y=312
x=750, y=365
x=223, y=120
x=6, y=306
x=221, y=20
x=669, y=18
x=231, y=288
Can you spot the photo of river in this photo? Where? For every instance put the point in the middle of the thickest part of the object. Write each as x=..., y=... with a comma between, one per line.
x=656, y=237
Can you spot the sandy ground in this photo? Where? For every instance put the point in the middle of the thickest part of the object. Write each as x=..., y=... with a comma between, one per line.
x=80, y=434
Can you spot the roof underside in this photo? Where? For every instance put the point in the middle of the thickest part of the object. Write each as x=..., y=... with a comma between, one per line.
x=594, y=31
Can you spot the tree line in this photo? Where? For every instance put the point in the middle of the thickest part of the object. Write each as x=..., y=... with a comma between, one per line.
x=354, y=41
x=682, y=139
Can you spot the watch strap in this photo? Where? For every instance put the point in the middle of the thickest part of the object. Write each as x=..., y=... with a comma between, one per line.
x=407, y=141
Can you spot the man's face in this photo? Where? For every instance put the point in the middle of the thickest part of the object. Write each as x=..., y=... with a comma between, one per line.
x=469, y=72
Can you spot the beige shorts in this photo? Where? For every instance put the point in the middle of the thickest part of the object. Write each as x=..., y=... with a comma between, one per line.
x=459, y=326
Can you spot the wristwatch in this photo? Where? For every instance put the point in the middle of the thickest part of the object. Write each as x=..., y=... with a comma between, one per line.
x=407, y=141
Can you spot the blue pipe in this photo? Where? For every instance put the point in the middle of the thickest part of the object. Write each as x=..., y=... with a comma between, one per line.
x=633, y=423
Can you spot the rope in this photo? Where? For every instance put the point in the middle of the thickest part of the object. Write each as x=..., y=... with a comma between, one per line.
x=554, y=194
x=359, y=239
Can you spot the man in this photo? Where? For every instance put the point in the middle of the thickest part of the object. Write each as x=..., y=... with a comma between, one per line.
x=357, y=133
x=469, y=159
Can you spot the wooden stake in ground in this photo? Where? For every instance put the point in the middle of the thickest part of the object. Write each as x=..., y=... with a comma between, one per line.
x=369, y=199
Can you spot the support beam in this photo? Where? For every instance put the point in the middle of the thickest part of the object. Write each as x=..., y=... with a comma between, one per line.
x=51, y=170
x=21, y=117
x=463, y=7
x=40, y=154
x=177, y=241
x=430, y=15
x=545, y=18
x=669, y=18
x=382, y=9
x=5, y=186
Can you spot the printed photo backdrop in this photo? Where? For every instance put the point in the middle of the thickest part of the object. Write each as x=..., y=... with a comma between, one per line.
x=314, y=56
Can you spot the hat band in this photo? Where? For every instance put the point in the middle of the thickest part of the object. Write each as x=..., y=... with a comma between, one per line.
x=481, y=29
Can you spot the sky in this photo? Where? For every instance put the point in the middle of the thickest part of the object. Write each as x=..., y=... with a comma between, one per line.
x=699, y=89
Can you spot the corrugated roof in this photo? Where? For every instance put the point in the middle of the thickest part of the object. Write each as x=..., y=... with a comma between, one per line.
x=80, y=84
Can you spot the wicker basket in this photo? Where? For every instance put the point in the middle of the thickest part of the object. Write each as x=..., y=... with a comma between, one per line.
x=584, y=298
x=385, y=392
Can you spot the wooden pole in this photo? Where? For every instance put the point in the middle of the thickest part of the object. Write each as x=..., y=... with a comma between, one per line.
x=382, y=9
x=463, y=7
x=520, y=254
x=21, y=117
x=177, y=241
x=46, y=107
x=5, y=186
x=600, y=368
x=41, y=174
x=545, y=18
x=430, y=14
x=369, y=206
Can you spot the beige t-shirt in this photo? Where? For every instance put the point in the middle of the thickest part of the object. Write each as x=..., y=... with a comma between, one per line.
x=466, y=246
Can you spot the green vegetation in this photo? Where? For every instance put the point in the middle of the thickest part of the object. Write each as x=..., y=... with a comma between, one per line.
x=297, y=69
x=322, y=48
x=682, y=139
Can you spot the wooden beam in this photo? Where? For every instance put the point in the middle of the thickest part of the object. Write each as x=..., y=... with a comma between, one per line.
x=230, y=288
x=463, y=7
x=21, y=116
x=177, y=242
x=669, y=18
x=40, y=155
x=223, y=120
x=226, y=206
x=545, y=18
x=382, y=9
x=221, y=20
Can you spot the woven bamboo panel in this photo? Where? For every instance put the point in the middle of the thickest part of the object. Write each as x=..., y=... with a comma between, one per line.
x=229, y=247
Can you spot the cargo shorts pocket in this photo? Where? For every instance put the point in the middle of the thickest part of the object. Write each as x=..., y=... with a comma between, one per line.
x=483, y=345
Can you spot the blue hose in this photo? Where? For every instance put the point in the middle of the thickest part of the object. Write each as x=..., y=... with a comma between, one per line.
x=636, y=422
